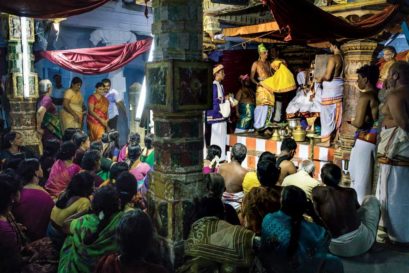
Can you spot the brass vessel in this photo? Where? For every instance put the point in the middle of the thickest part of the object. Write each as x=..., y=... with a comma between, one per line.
x=299, y=134
x=276, y=135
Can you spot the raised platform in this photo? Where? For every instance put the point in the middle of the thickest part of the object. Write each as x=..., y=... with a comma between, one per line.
x=257, y=145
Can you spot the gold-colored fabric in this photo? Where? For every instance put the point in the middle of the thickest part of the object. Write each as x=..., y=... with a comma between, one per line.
x=282, y=81
x=76, y=101
x=264, y=97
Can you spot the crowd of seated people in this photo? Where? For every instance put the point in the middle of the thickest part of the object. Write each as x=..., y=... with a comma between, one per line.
x=86, y=219
x=60, y=211
x=299, y=222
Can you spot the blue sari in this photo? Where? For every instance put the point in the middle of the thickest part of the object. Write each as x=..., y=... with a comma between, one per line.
x=312, y=251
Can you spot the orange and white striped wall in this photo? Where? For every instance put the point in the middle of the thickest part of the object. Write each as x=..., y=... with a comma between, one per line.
x=256, y=146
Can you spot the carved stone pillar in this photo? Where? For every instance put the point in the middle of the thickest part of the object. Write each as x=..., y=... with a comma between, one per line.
x=179, y=90
x=356, y=54
x=22, y=106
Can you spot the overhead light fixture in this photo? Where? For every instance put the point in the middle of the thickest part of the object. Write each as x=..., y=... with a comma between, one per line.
x=142, y=96
x=56, y=24
x=26, y=57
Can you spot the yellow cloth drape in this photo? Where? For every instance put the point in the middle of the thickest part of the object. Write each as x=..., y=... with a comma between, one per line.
x=282, y=81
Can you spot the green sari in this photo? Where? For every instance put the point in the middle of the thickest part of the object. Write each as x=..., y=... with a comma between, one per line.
x=53, y=124
x=149, y=159
x=75, y=256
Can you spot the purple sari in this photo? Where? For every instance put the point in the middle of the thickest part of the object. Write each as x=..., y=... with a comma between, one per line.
x=33, y=211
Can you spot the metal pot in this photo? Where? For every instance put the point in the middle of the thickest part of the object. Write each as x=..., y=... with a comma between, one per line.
x=299, y=134
x=294, y=122
x=276, y=135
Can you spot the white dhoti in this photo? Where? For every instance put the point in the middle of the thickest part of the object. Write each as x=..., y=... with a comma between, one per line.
x=219, y=137
x=361, y=167
x=393, y=182
x=359, y=241
x=262, y=116
x=331, y=107
x=393, y=192
x=233, y=199
x=277, y=114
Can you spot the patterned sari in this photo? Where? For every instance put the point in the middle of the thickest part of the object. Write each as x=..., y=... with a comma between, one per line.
x=214, y=243
x=76, y=256
x=51, y=122
x=95, y=128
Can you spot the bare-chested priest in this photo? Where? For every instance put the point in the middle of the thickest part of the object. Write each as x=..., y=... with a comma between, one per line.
x=353, y=227
x=393, y=155
x=331, y=94
x=260, y=70
x=233, y=174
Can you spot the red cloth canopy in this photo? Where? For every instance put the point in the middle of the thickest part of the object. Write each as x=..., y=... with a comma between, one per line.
x=47, y=9
x=302, y=21
x=97, y=60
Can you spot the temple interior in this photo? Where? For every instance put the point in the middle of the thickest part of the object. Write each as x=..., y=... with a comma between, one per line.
x=204, y=136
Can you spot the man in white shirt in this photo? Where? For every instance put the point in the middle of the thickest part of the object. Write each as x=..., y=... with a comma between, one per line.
x=303, y=178
x=115, y=102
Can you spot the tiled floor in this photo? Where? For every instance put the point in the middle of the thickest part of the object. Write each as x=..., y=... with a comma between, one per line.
x=383, y=258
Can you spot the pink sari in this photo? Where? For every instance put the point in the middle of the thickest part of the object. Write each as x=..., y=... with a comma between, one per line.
x=123, y=154
x=60, y=176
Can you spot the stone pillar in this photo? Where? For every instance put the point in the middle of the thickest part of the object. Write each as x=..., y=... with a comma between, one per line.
x=356, y=54
x=179, y=90
x=22, y=109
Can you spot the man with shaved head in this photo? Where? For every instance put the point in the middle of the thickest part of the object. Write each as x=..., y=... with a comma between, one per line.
x=393, y=155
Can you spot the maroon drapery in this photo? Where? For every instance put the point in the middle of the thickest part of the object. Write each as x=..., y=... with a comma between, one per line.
x=302, y=21
x=49, y=8
x=97, y=60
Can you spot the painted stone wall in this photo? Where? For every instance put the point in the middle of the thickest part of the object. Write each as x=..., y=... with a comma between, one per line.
x=177, y=176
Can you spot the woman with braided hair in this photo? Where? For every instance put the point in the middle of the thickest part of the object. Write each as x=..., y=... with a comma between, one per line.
x=291, y=244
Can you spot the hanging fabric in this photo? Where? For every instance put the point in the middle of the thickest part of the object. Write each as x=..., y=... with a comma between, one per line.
x=97, y=60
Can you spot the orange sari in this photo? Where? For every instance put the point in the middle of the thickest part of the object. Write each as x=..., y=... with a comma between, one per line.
x=95, y=128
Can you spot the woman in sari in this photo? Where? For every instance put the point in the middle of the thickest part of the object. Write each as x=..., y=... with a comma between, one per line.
x=214, y=245
x=62, y=170
x=291, y=244
x=91, y=236
x=211, y=162
x=13, y=148
x=10, y=241
x=148, y=153
x=35, y=205
x=73, y=106
x=134, y=139
x=135, y=234
x=73, y=201
x=81, y=140
x=245, y=109
x=138, y=169
x=97, y=118
x=48, y=122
